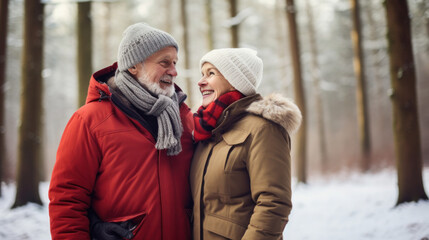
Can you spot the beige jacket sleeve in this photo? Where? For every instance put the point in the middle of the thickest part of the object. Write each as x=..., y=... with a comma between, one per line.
x=269, y=167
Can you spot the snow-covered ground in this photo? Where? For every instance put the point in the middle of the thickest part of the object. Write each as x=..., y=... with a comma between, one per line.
x=356, y=207
x=28, y=222
x=348, y=206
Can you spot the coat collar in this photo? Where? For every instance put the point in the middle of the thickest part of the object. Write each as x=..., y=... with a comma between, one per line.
x=274, y=107
x=233, y=113
x=99, y=86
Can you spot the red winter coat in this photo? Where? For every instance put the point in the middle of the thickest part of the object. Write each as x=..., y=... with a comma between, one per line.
x=108, y=161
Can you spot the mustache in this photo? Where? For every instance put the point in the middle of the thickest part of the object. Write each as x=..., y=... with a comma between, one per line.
x=167, y=78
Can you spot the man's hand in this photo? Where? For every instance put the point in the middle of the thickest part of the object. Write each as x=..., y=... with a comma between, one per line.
x=111, y=231
x=100, y=230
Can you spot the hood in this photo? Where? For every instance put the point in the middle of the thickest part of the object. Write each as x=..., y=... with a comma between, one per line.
x=278, y=109
x=98, y=88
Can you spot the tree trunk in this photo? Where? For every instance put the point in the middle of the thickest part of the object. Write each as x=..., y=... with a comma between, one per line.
x=427, y=25
x=84, y=49
x=279, y=20
x=30, y=131
x=4, y=10
x=186, y=51
x=361, y=95
x=298, y=90
x=376, y=62
x=210, y=37
x=404, y=103
x=234, y=27
x=168, y=19
x=107, y=31
x=315, y=72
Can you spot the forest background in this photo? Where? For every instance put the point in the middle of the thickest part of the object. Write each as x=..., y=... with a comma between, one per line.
x=329, y=86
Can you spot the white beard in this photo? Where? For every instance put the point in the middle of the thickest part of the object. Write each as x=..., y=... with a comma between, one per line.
x=154, y=87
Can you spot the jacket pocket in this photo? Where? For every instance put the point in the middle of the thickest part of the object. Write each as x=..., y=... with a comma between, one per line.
x=235, y=152
x=235, y=136
x=137, y=220
x=223, y=227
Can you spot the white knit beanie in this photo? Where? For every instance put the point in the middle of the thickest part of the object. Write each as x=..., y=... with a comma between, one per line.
x=139, y=41
x=240, y=66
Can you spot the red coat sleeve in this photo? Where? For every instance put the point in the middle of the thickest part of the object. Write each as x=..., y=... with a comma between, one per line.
x=72, y=181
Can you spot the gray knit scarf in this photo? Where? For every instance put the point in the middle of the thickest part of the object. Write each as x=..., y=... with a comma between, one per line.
x=165, y=109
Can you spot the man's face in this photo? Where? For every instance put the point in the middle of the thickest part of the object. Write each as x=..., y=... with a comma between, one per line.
x=158, y=72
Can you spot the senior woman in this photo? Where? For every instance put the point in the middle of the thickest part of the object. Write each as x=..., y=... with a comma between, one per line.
x=241, y=169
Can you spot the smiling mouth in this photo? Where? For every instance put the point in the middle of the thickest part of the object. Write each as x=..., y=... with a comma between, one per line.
x=165, y=81
x=206, y=92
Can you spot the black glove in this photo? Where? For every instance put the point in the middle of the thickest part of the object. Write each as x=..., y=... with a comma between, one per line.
x=107, y=230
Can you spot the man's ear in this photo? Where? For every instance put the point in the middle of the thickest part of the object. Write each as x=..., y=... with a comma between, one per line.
x=133, y=70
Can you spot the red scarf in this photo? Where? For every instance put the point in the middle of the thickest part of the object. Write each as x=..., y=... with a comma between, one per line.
x=205, y=119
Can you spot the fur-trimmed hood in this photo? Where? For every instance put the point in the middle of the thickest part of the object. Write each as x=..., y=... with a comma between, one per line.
x=278, y=109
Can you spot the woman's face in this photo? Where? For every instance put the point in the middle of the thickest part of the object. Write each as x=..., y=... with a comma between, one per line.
x=212, y=84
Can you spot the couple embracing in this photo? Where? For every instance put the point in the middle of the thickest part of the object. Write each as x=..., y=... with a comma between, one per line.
x=135, y=163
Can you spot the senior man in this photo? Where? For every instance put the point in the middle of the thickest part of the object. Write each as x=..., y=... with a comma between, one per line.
x=126, y=153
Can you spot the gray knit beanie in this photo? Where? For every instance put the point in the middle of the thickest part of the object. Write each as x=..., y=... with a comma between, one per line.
x=139, y=41
x=240, y=66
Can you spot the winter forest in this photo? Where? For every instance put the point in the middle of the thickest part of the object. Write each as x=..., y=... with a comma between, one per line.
x=358, y=70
